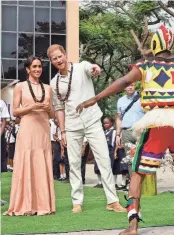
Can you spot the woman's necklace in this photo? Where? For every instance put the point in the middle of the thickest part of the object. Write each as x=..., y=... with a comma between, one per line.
x=32, y=92
x=69, y=85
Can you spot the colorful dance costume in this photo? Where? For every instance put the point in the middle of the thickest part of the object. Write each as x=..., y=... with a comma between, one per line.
x=157, y=99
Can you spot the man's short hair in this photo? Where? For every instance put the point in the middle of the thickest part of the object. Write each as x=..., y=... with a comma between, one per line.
x=55, y=47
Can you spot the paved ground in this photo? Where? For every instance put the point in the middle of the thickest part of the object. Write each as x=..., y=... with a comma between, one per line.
x=145, y=231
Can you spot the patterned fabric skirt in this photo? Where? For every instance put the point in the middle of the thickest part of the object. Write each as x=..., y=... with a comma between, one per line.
x=151, y=148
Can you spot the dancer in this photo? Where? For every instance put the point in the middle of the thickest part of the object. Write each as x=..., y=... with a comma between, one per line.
x=32, y=191
x=71, y=85
x=157, y=76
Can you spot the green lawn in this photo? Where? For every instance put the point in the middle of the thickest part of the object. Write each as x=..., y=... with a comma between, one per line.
x=157, y=210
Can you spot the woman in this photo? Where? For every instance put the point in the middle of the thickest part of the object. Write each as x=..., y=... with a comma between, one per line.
x=32, y=191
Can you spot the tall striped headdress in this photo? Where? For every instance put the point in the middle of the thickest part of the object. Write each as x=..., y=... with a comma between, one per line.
x=162, y=40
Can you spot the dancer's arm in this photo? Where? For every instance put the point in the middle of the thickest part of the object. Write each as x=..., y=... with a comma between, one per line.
x=119, y=85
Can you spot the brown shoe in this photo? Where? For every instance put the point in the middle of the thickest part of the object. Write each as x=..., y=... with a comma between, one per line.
x=115, y=207
x=77, y=208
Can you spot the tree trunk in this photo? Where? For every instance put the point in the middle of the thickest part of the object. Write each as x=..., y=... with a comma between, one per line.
x=149, y=187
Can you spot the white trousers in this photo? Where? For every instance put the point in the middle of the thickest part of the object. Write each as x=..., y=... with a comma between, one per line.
x=97, y=140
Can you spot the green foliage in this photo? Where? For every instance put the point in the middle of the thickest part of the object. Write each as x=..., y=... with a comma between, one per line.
x=106, y=40
x=141, y=8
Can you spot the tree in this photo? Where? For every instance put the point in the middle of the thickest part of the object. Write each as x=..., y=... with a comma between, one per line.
x=105, y=37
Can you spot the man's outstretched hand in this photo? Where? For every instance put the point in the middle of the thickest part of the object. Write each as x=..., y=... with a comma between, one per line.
x=86, y=104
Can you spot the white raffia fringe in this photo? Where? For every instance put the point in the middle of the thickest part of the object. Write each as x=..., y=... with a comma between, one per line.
x=155, y=118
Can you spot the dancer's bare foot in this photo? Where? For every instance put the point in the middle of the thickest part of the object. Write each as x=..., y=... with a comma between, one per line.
x=115, y=207
x=132, y=230
x=129, y=232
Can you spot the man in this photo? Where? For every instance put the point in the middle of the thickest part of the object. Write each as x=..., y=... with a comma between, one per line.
x=72, y=85
x=4, y=115
x=157, y=76
x=129, y=111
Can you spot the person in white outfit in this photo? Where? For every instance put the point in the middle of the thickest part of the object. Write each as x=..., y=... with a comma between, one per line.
x=4, y=115
x=55, y=149
x=71, y=86
x=10, y=136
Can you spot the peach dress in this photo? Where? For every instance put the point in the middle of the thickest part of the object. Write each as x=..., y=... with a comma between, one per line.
x=32, y=190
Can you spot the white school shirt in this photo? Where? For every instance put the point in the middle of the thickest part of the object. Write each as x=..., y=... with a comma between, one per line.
x=4, y=114
x=85, y=140
x=52, y=129
x=12, y=138
x=113, y=135
x=17, y=128
x=81, y=89
x=59, y=133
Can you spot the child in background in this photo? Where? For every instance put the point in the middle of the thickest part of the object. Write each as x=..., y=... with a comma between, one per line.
x=120, y=169
x=55, y=149
x=10, y=138
x=17, y=124
x=62, y=167
x=10, y=135
x=60, y=154
x=64, y=155
x=110, y=134
x=85, y=152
